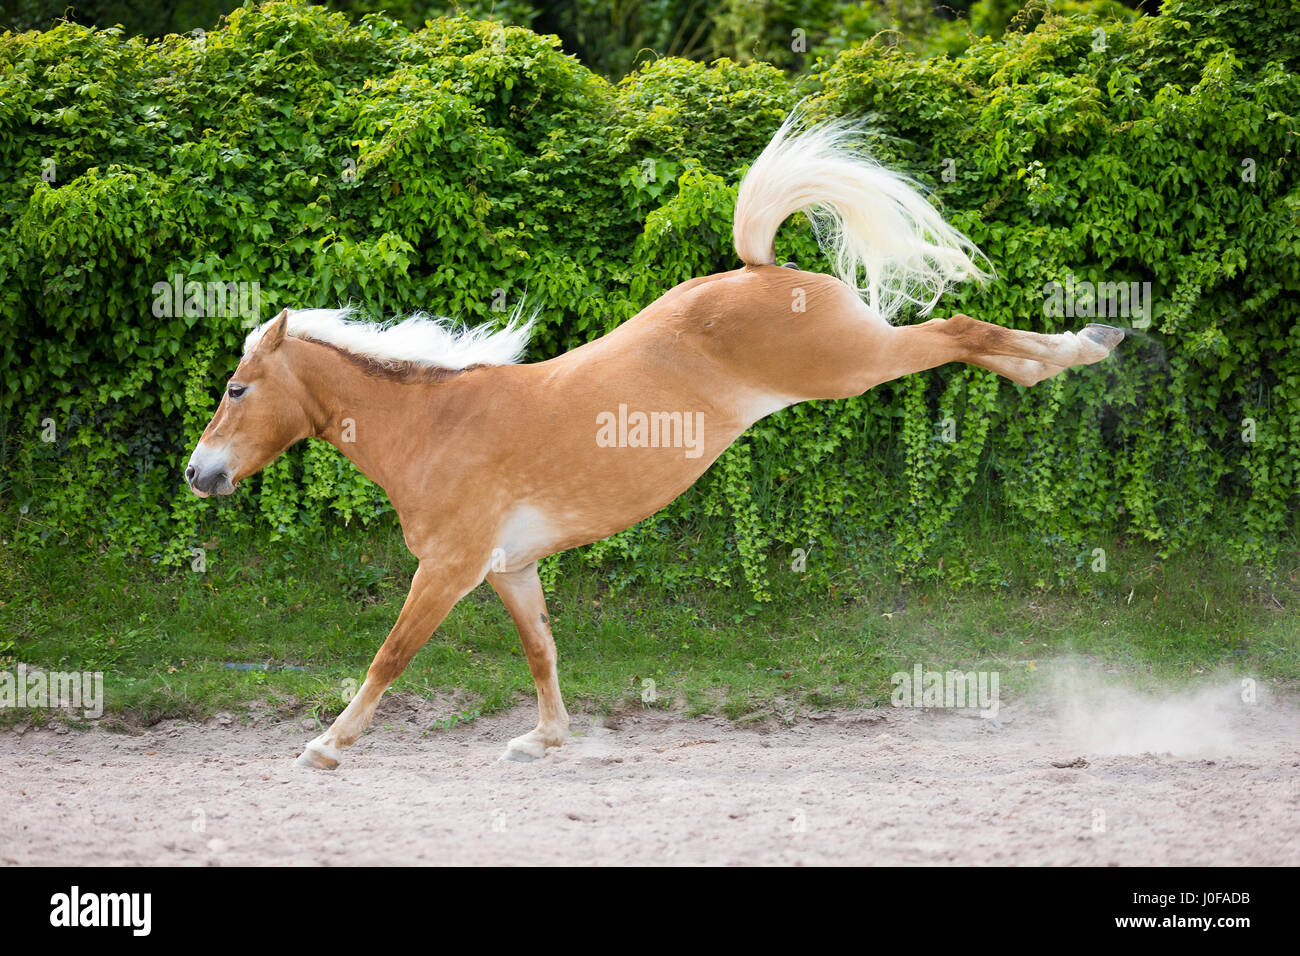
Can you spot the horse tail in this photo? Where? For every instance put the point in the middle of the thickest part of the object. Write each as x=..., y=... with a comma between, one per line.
x=883, y=238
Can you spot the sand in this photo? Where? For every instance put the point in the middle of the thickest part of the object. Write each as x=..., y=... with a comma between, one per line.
x=886, y=786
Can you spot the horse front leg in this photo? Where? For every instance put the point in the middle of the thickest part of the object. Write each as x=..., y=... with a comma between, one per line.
x=434, y=591
x=521, y=592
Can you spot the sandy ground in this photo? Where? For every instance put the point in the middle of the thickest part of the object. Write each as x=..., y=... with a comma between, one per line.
x=854, y=787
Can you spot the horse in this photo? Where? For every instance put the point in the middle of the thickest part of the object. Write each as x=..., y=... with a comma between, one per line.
x=492, y=464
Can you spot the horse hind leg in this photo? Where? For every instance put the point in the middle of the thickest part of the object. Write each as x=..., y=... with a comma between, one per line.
x=1024, y=357
x=521, y=592
x=982, y=341
x=846, y=349
x=1022, y=371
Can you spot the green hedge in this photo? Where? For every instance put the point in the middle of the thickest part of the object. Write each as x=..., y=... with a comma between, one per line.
x=487, y=165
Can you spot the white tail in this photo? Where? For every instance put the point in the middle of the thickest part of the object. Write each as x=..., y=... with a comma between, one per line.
x=871, y=221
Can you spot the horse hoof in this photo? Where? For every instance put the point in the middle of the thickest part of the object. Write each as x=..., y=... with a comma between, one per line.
x=1096, y=342
x=518, y=756
x=318, y=758
x=523, y=750
x=1107, y=336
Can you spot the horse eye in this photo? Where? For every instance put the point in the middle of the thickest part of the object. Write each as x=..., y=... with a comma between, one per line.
x=235, y=390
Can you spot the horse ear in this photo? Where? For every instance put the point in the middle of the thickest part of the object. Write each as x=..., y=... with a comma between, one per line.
x=275, y=334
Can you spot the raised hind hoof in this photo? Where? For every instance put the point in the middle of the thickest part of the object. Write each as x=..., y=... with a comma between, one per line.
x=318, y=757
x=1103, y=337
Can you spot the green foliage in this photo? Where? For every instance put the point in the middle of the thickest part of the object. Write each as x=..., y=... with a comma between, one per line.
x=445, y=168
x=184, y=16
x=1120, y=152
x=614, y=37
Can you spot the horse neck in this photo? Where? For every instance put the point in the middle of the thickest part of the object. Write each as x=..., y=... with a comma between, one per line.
x=373, y=420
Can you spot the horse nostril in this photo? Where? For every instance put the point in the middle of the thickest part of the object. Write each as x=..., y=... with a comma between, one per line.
x=189, y=474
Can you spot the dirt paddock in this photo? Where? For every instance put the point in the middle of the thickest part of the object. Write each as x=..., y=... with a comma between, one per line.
x=849, y=787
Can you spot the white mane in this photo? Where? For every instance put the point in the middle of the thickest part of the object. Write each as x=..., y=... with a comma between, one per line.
x=419, y=339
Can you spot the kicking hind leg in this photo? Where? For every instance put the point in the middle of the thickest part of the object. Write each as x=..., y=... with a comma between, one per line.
x=852, y=353
x=1019, y=370
x=1024, y=357
x=837, y=347
x=1009, y=349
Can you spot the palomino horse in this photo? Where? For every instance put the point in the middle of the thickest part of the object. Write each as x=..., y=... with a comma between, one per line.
x=492, y=465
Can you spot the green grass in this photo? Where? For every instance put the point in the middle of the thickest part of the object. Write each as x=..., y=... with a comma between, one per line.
x=165, y=638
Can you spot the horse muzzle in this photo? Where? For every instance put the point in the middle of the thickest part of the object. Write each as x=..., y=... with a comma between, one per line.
x=208, y=473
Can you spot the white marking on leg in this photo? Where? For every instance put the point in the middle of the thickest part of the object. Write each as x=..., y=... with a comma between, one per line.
x=325, y=751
